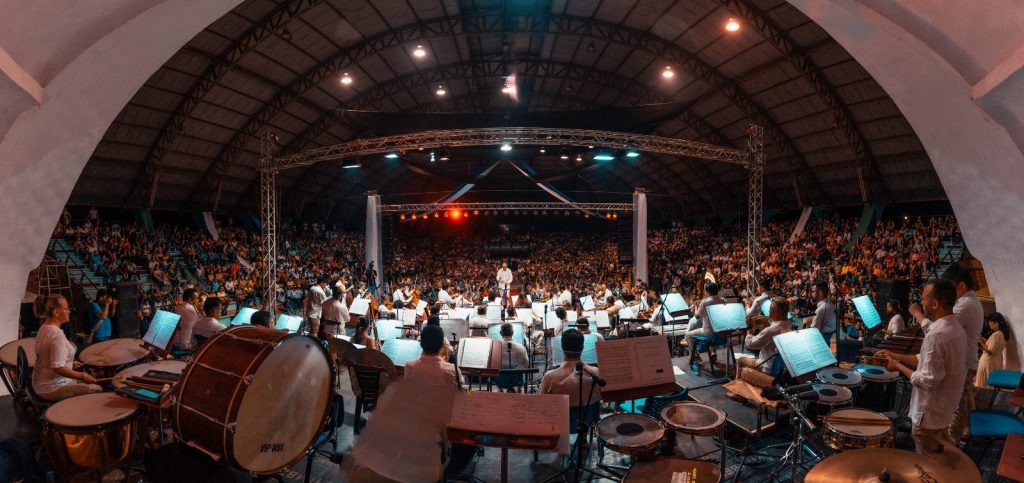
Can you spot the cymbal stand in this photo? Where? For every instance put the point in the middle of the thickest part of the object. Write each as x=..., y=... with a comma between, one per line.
x=793, y=456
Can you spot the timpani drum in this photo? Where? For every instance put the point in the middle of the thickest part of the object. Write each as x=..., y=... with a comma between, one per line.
x=859, y=428
x=840, y=377
x=673, y=470
x=632, y=434
x=255, y=397
x=105, y=359
x=92, y=431
x=693, y=418
x=830, y=398
x=880, y=387
x=9, y=360
x=138, y=370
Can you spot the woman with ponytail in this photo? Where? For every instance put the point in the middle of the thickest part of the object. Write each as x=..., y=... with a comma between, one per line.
x=54, y=377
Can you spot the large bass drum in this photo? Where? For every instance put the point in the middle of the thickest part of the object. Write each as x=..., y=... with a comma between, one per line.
x=255, y=397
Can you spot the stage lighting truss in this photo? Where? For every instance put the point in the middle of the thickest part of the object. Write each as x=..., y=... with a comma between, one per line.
x=516, y=206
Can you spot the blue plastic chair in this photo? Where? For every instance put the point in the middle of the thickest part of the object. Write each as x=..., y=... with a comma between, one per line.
x=709, y=344
x=1002, y=380
x=993, y=424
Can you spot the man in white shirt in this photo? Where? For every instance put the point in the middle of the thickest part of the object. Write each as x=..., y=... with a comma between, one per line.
x=764, y=341
x=825, y=314
x=208, y=326
x=937, y=374
x=504, y=278
x=416, y=408
x=699, y=324
x=480, y=321
x=755, y=306
x=519, y=358
x=189, y=316
x=445, y=298
x=333, y=314
x=971, y=315
x=317, y=295
x=565, y=380
x=565, y=297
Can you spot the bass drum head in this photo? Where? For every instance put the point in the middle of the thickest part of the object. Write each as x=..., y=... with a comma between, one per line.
x=284, y=408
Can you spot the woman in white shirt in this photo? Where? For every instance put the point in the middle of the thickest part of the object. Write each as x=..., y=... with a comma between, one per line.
x=896, y=323
x=53, y=377
x=764, y=341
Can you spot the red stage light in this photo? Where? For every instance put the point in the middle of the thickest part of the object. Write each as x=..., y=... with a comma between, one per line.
x=456, y=214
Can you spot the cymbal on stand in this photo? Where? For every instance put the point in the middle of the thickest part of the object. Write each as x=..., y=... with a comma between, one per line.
x=893, y=466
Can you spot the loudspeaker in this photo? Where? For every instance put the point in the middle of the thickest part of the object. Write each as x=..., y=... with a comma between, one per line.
x=126, y=322
x=898, y=290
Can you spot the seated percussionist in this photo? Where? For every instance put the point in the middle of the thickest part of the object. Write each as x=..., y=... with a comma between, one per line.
x=763, y=341
x=564, y=379
x=54, y=377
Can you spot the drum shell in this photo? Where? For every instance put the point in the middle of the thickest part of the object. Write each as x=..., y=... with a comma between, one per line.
x=606, y=435
x=215, y=383
x=840, y=440
x=98, y=447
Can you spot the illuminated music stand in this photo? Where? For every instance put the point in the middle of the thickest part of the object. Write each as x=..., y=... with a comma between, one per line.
x=161, y=332
x=727, y=320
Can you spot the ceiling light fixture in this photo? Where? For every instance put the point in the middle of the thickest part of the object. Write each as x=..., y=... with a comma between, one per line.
x=632, y=153
x=391, y=155
x=419, y=52
x=667, y=73
x=542, y=150
x=346, y=79
x=506, y=146
x=563, y=153
x=433, y=157
x=441, y=91
x=286, y=34
x=604, y=156
x=591, y=47
x=579, y=158
x=445, y=155
x=351, y=163
x=732, y=25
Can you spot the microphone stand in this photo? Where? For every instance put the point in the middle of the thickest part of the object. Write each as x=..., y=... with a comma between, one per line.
x=582, y=434
x=793, y=456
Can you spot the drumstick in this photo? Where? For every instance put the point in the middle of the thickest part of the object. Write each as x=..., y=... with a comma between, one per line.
x=755, y=391
x=867, y=422
x=104, y=379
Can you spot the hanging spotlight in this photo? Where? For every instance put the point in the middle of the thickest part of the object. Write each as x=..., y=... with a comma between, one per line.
x=579, y=158
x=286, y=34
x=414, y=216
x=667, y=73
x=506, y=146
x=391, y=155
x=402, y=217
x=563, y=153
x=542, y=151
x=615, y=216
x=446, y=214
x=445, y=155
x=432, y=156
x=732, y=25
x=632, y=153
x=591, y=47
x=437, y=215
x=476, y=212
x=346, y=79
x=608, y=215
x=590, y=146
x=456, y=214
x=604, y=156
x=441, y=91
x=419, y=52
x=351, y=163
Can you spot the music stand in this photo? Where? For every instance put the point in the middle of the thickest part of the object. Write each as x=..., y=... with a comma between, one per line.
x=804, y=351
x=727, y=320
x=161, y=332
x=287, y=322
x=243, y=316
x=401, y=351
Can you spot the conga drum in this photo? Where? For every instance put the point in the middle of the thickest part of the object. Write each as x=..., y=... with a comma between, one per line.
x=255, y=397
x=92, y=431
x=9, y=360
x=880, y=387
x=637, y=435
x=105, y=359
x=840, y=377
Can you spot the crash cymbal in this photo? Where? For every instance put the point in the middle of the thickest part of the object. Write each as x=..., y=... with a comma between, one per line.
x=893, y=466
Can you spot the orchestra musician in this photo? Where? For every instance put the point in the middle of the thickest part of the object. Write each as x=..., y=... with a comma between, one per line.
x=208, y=326
x=363, y=335
x=261, y=318
x=444, y=298
x=479, y=321
x=825, y=314
x=583, y=325
x=317, y=295
x=189, y=314
x=755, y=305
x=699, y=324
x=504, y=279
x=54, y=377
x=334, y=315
x=937, y=374
x=565, y=380
x=764, y=341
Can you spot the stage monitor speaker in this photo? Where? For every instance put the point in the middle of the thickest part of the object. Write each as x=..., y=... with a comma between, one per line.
x=888, y=289
x=126, y=322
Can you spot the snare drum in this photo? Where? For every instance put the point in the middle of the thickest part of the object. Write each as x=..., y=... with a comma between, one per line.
x=255, y=396
x=632, y=434
x=830, y=398
x=138, y=370
x=9, y=360
x=839, y=377
x=693, y=418
x=844, y=436
x=664, y=469
x=105, y=359
x=92, y=431
x=880, y=386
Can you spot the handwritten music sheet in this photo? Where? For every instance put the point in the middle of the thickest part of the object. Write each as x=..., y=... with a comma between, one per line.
x=635, y=362
x=475, y=352
x=359, y=306
x=513, y=414
x=804, y=351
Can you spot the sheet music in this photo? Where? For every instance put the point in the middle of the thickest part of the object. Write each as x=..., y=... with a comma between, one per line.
x=161, y=329
x=288, y=322
x=461, y=313
x=726, y=317
x=589, y=354
x=674, y=303
x=243, y=316
x=538, y=308
x=601, y=319
x=388, y=328
x=628, y=312
x=804, y=351
x=518, y=333
x=407, y=316
x=359, y=306
x=513, y=414
x=515, y=300
x=587, y=302
x=766, y=307
x=494, y=313
x=552, y=322
x=420, y=306
x=635, y=362
x=401, y=351
x=475, y=352
x=868, y=313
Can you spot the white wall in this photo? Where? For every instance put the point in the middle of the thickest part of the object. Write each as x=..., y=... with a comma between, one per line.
x=86, y=79
x=976, y=157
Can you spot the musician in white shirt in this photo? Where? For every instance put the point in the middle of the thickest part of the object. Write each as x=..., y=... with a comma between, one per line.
x=504, y=278
x=565, y=297
x=937, y=373
x=189, y=316
x=825, y=314
x=317, y=295
x=699, y=324
x=208, y=326
x=764, y=341
x=334, y=315
x=755, y=306
x=480, y=321
x=565, y=380
x=444, y=298
x=520, y=358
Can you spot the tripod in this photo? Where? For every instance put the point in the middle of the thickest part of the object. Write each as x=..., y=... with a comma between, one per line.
x=793, y=455
x=583, y=428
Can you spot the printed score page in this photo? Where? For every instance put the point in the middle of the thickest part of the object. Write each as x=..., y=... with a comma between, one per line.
x=475, y=352
x=513, y=414
x=635, y=362
x=804, y=351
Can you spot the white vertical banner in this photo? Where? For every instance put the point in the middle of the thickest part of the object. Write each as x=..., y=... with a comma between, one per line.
x=374, y=251
x=640, y=236
x=210, y=225
x=804, y=216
